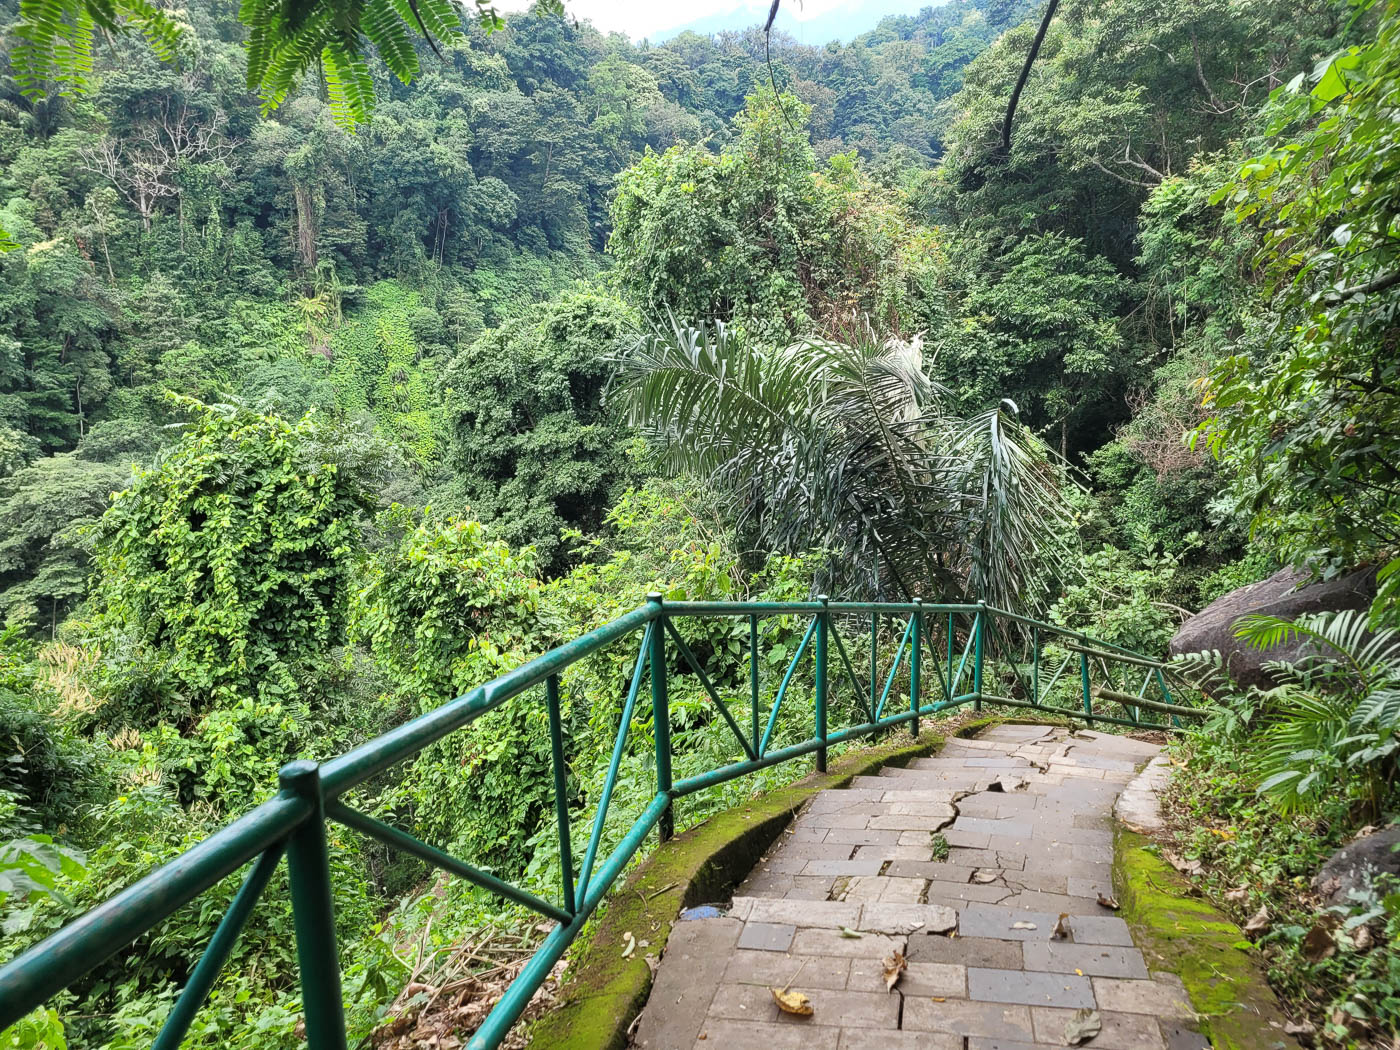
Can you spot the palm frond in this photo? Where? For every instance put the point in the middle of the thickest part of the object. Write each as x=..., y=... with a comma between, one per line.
x=843, y=446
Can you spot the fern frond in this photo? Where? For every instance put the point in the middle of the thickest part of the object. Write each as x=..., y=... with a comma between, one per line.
x=54, y=39
x=163, y=34
x=349, y=83
x=1380, y=708
x=380, y=22
x=441, y=18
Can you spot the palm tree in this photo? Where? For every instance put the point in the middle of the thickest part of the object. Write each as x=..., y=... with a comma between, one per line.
x=848, y=447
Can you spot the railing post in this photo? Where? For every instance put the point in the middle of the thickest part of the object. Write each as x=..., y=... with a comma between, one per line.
x=661, y=716
x=948, y=693
x=1035, y=667
x=1084, y=677
x=561, y=801
x=753, y=674
x=823, y=622
x=914, y=666
x=874, y=648
x=313, y=912
x=978, y=626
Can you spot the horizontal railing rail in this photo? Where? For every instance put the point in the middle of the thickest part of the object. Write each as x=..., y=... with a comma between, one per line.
x=975, y=639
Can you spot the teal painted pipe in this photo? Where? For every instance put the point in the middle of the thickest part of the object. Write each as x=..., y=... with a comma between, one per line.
x=741, y=608
x=1084, y=678
x=561, y=788
x=340, y=774
x=753, y=675
x=823, y=628
x=917, y=622
x=313, y=913
x=46, y=968
x=1064, y=632
x=54, y=963
x=900, y=608
x=1055, y=678
x=782, y=689
x=951, y=683
x=791, y=608
x=1070, y=712
x=536, y=971
x=411, y=844
x=661, y=717
x=898, y=659
x=856, y=687
x=708, y=686
x=978, y=629
x=874, y=649
x=177, y=1022
x=619, y=746
x=1035, y=668
x=738, y=769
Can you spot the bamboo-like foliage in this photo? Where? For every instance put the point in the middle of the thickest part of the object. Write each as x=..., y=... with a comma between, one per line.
x=849, y=447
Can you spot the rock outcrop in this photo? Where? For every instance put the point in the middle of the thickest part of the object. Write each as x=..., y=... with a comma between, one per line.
x=1356, y=864
x=1285, y=594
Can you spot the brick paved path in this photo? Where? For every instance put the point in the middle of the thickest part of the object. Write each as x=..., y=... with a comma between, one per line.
x=1027, y=815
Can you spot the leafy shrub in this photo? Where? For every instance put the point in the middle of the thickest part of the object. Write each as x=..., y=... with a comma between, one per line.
x=1122, y=600
x=225, y=570
x=1331, y=722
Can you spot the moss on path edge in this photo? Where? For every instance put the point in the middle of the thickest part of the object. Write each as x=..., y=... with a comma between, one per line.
x=606, y=992
x=1186, y=936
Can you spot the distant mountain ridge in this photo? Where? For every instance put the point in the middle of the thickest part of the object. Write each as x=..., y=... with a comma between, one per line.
x=844, y=22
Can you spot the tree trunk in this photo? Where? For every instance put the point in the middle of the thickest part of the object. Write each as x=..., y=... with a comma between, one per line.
x=306, y=225
x=111, y=277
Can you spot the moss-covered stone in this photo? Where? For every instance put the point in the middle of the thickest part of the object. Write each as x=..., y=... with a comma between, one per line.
x=606, y=992
x=1186, y=936
x=976, y=725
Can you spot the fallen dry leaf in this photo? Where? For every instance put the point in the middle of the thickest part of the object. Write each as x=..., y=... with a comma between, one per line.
x=1108, y=902
x=1259, y=921
x=1186, y=867
x=1318, y=944
x=985, y=875
x=1083, y=1026
x=1238, y=894
x=894, y=965
x=629, y=944
x=794, y=1003
x=1061, y=931
x=1362, y=938
x=1023, y=925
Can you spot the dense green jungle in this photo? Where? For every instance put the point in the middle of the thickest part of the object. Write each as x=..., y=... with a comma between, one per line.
x=327, y=398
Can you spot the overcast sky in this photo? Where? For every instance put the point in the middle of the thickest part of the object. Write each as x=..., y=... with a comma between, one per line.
x=641, y=18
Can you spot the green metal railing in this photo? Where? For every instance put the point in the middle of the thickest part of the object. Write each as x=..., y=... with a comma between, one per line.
x=976, y=639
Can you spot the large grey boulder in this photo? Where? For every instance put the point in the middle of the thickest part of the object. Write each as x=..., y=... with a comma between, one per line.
x=1285, y=594
x=1356, y=864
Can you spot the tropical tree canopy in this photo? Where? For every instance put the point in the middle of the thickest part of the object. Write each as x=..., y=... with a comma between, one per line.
x=850, y=447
